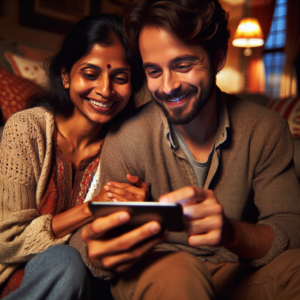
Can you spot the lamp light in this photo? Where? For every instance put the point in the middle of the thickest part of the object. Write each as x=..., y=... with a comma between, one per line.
x=248, y=34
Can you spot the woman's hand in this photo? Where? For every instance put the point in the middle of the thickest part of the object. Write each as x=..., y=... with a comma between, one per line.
x=120, y=192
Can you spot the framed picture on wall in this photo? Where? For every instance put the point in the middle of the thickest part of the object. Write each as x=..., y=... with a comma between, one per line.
x=112, y=6
x=54, y=15
x=67, y=10
x=120, y=2
x=1, y=8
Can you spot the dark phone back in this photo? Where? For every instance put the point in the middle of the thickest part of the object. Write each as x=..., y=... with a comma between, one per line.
x=169, y=215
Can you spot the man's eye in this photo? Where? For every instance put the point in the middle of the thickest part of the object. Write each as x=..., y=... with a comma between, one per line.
x=153, y=73
x=185, y=67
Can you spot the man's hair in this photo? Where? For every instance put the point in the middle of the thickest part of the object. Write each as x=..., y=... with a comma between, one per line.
x=202, y=21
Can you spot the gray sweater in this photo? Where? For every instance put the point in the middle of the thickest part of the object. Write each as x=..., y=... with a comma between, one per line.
x=251, y=172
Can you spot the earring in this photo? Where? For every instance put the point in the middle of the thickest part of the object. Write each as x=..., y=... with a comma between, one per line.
x=66, y=85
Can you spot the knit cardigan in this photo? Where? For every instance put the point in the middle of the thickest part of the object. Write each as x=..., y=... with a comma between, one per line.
x=25, y=161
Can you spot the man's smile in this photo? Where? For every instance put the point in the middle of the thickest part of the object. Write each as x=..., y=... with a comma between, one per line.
x=178, y=98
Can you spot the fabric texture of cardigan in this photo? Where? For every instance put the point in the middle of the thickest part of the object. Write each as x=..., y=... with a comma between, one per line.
x=25, y=161
x=251, y=173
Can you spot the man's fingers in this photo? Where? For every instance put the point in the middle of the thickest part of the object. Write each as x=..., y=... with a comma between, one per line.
x=127, y=240
x=203, y=226
x=188, y=193
x=211, y=238
x=117, y=261
x=99, y=226
x=202, y=210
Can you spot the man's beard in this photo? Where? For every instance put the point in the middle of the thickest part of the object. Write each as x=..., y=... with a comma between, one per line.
x=177, y=116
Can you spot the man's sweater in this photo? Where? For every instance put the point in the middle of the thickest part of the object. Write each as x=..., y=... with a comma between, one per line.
x=251, y=172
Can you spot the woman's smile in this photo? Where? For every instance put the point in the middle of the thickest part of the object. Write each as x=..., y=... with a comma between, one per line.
x=102, y=106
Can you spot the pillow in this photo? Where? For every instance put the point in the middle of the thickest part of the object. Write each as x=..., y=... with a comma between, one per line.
x=11, y=46
x=27, y=68
x=14, y=91
x=289, y=108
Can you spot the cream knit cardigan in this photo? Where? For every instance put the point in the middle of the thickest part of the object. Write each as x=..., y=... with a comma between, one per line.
x=25, y=160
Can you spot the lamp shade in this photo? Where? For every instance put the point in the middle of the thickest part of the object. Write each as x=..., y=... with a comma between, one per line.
x=248, y=34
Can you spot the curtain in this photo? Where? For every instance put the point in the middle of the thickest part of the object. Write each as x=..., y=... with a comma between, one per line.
x=292, y=49
x=263, y=11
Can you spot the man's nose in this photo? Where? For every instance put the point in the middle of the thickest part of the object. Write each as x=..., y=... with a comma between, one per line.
x=170, y=84
x=102, y=86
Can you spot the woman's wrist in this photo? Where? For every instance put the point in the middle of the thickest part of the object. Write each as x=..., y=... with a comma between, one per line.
x=86, y=210
x=71, y=220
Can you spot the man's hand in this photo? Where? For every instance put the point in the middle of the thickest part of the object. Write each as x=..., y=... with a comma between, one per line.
x=207, y=226
x=120, y=192
x=121, y=252
x=203, y=214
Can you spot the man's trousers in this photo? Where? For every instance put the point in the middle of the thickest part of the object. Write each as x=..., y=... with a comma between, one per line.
x=180, y=276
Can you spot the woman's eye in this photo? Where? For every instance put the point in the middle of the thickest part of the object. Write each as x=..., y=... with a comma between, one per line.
x=121, y=79
x=90, y=76
x=153, y=73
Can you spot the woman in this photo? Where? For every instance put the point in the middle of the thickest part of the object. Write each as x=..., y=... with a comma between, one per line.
x=50, y=153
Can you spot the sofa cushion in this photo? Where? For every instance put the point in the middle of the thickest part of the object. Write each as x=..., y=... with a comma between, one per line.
x=27, y=68
x=11, y=46
x=289, y=108
x=14, y=91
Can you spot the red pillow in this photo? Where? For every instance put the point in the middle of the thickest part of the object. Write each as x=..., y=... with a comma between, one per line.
x=14, y=91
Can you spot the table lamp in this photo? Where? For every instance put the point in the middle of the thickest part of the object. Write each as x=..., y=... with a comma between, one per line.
x=247, y=35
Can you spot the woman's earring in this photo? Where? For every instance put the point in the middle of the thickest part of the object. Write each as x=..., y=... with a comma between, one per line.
x=66, y=85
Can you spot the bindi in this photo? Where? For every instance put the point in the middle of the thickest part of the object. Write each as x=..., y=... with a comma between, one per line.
x=108, y=66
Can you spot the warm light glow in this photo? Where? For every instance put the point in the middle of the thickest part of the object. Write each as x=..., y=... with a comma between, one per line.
x=248, y=34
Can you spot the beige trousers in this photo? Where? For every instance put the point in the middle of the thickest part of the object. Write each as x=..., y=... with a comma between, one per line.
x=181, y=276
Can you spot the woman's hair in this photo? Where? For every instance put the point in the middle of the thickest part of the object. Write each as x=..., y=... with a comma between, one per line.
x=103, y=29
x=202, y=21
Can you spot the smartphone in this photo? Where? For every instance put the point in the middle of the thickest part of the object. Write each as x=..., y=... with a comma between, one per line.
x=169, y=215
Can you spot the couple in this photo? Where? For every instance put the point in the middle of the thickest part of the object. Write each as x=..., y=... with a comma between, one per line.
x=228, y=162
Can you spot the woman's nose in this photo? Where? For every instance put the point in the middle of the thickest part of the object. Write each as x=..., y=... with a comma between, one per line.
x=103, y=87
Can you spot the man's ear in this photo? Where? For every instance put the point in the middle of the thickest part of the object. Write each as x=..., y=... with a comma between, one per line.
x=220, y=59
x=65, y=78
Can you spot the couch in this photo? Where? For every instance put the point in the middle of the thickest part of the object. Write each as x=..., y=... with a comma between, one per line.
x=289, y=108
x=22, y=75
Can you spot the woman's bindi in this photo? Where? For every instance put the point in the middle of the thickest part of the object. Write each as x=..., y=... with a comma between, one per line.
x=108, y=66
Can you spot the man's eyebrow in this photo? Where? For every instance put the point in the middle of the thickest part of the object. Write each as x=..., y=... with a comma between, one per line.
x=149, y=65
x=188, y=57
x=175, y=60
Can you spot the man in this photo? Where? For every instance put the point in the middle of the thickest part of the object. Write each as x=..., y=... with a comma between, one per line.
x=227, y=161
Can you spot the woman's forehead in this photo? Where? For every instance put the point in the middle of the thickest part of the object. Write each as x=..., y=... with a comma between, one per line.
x=100, y=55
